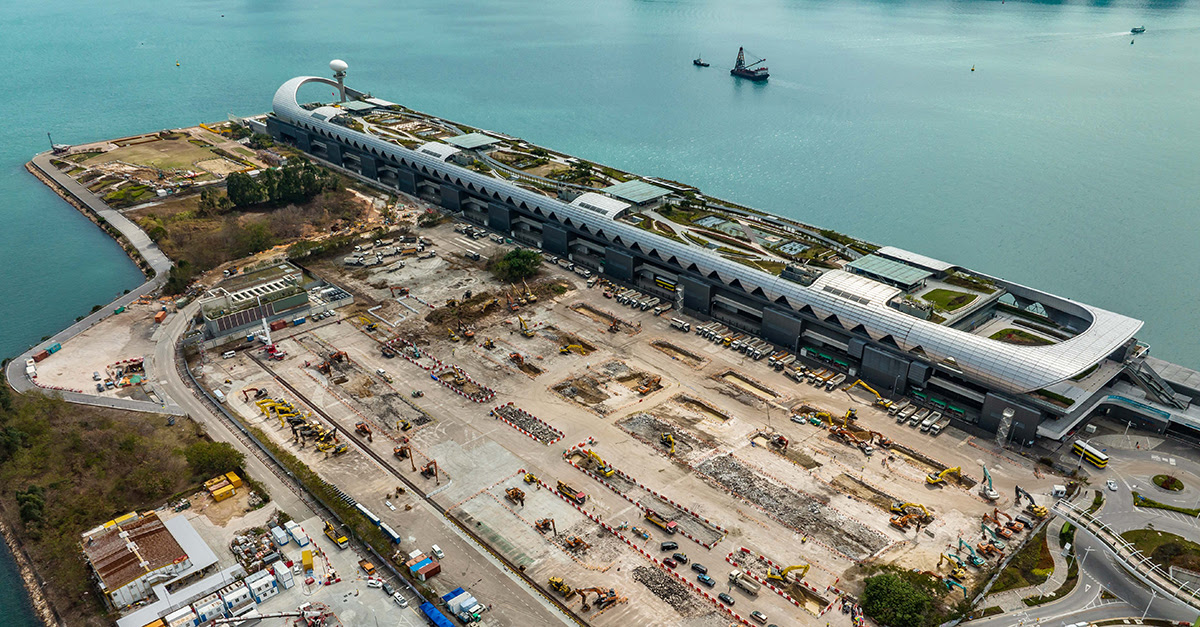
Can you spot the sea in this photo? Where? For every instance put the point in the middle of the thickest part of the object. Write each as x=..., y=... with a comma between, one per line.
x=1034, y=140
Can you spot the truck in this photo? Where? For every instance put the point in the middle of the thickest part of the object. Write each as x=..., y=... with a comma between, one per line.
x=834, y=382
x=930, y=420
x=219, y=395
x=682, y=325
x=743, y=581
x=918, y=417
x=896, y=408
x=939, y=425
x=669, y=526
x=903, y=415
x=367, y=567
x=650, y=304
x=570, y=492
x=336, y=536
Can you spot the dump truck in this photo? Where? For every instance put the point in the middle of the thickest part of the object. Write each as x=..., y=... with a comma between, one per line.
x=682, y=325
x=669, y=526
x=743, y=581
x=336, y=536
x=367, y=567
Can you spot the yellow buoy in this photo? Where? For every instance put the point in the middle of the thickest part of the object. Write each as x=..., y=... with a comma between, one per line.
x=176, y=64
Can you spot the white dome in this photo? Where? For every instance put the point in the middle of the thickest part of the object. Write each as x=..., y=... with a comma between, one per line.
x=338, y=65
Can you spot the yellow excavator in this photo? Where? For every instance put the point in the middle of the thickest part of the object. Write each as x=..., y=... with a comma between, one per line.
x=957, y=570
x=880, y=401
x=668, y=440
x=601, y=467
x=529, y=295
x=782, y=575
x=851, y=415
x=936, y=478
x=903, y=509
x=525, y=330
x=566, y=348
x=453, y=335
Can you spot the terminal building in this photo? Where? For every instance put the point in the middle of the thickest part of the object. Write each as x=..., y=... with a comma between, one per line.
x=1004, y=357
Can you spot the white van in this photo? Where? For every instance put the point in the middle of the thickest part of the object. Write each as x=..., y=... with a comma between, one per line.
x=219, y=395
x=228, y=355
x=437, y=552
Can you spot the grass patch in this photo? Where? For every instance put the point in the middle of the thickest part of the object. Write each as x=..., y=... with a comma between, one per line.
x=1065, y=588
x=1168, y=482
x=1097, y=501
x=949, y=300
x=970, y=282
x=1142, y=501
x=1019, y=337
x=699, y=241
x=129, y=195
x=1166, y=549
x=1054, y=397
x=1031, y=566
x=1083, y=375
x=76, y=467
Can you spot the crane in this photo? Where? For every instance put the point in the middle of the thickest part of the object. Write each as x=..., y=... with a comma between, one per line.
x=1033, y=508
x=986, y=490
x=936, y=478
x=601, y=467
x=975, y=559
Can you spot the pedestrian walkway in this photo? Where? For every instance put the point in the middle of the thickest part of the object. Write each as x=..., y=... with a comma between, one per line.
x=1013, y=600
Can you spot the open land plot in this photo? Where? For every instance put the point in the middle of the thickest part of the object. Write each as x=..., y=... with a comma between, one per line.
x=650, y=429
x=682, y=354
x=604, y=388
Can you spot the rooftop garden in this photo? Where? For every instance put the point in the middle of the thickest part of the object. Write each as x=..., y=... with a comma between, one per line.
x=1019, y=337
x=948, y=300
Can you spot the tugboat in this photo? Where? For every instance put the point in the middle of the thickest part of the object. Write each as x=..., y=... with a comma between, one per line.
x=700, y=62
x=1139, y=29
x=748, y=71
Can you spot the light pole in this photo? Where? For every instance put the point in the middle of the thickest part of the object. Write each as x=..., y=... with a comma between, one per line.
x=1153, y=595
x=896, y=383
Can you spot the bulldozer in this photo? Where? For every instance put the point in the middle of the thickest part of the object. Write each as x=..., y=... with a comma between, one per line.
x=516, y=495
x=649, y=384
x=557, y=584
x=938, y=477
x=668, y=440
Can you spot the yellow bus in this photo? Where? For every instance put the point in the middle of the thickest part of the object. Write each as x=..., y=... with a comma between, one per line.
x=1090, y=453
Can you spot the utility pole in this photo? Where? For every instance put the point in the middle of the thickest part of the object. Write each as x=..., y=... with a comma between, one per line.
x=1152, y=597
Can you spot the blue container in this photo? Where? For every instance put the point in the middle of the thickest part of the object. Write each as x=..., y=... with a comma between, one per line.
x=297, y=322
x=54, y=348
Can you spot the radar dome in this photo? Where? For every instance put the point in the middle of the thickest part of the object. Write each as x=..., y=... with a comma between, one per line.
x=338, y=65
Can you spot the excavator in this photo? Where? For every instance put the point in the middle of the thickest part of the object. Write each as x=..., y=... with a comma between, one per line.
x=516, y=495
x=512, y=304
x=853, y=439
x=545, y=524
x=401, y=452
x=615, y=327
x=363, y=428
x=780, y=442
x=403, y=291
x=950, y=583
x=516, y=358
x=429, y=470
x=466, y=330
x=649, y=385
x=668, y=440
x=575, y=543
x=566, y=348
x=601, y=467
x=525, y=330
x=880, y=401
x=901, y=522
x=996, y=535
x=258, y=393
x=974, y=559
x=985, y=489
x=488, y=343
x=557, y=584
x=453, y=336
x=1014, y=525
x=782, y=575
x=957, y=570
x=529, y=295
x=1033, y=508
x=851, y=415
x=530, y=478
x=903, y=509
x=989, y=549
x=938, y=477
x=583, y=592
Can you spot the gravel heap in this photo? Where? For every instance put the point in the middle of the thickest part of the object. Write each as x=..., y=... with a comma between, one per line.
x=523, y=420
x=669, y=589
x=797, y=510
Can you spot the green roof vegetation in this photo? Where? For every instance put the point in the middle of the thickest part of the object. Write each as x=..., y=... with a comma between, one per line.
x=1031, y=566
x=948, y=300
x=1019, y=337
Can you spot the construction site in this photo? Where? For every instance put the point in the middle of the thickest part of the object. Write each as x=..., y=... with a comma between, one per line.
x=573, y=436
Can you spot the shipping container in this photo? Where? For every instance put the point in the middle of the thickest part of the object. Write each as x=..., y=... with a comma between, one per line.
x=119, y=310
x=54, y=348
x=297, y=322
x=306, y=559
x=428, y=571
x=224, y=493
x=40, y=356
x=160, y=316
x=278, y=324
x=279, y=535
x=419, y=565
x=233, y=479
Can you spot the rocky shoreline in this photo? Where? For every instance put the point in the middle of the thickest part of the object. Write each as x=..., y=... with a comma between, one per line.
x=29, y=578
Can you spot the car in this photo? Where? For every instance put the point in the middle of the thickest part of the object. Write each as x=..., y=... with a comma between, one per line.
x=99, y=387
x=96, y=376
x=670, y=563
x=374, y=583
x=388, y=589
x=437, y=552
x=297, y=569
x=1112, y=485
x=700, y=568
x=759, y=617
x=680, y=557
x=669, y=546
x=400, y=600
x=706, y=580
x=725, y=598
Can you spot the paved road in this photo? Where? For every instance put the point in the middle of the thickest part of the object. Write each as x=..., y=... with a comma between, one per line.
x=148, y=249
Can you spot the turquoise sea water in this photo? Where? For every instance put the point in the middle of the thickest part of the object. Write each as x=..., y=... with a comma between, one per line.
x=1067, y=160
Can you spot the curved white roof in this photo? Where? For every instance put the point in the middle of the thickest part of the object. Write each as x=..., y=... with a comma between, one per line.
x=853, y=299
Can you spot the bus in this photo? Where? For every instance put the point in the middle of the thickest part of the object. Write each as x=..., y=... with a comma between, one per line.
x=1090, y=453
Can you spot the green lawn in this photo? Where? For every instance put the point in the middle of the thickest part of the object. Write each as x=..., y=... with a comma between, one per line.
x=949, y=300
x=1168, y=482
x=1166, y=549
x=1019, y=337
x=165, y=154
x=1030, y=567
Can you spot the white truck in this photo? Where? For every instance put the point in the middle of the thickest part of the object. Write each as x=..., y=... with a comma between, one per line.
x=743, y=581
x=939, y=425
x=931, y=420
x=682, y=325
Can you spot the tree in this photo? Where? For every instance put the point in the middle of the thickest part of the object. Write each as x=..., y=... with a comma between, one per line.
x=243, y=190
x=213, y=458
x=517, y=264
x=893, y=601
x=213, y=203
